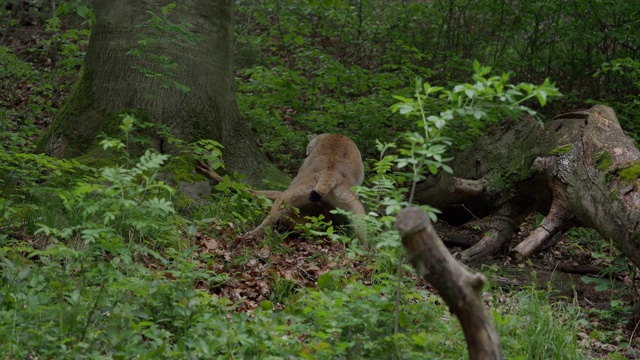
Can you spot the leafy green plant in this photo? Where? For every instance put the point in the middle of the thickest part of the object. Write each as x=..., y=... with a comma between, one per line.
x=22, y=173
x=78, y=7
x=64, y=47
x=123, y=202
x=313, y=227
x=424, y=151
x=356, y=321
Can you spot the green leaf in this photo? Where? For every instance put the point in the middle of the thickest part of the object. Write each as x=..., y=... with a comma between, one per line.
x=266, y=305
x=167, y=9
x=82, y=11
x=327, y=281
x=447, y=168
x=471, y=93
x=542, y=97
x=405, y=109
x=402, y=98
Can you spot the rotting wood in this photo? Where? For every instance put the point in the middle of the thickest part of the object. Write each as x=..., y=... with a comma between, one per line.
x=558, y=219
x=501, y=227
x=580, y=169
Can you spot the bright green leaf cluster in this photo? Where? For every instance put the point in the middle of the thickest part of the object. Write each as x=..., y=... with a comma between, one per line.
x=425, y=151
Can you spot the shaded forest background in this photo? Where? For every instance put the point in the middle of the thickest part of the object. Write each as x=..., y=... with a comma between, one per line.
x=171, y=278
x=334, y=65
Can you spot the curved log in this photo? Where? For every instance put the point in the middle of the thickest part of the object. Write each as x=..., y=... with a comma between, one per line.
x=558, y=219
x=459, y=288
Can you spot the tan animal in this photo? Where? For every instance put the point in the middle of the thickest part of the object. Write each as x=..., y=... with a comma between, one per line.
x=324, y=182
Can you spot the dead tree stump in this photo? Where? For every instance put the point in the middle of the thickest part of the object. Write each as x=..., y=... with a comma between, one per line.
x=580, y=169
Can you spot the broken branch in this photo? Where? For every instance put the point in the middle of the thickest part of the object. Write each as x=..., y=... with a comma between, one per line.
x=459, y=288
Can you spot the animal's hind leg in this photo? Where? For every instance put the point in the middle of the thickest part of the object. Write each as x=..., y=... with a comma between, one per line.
x=272, y=195
x=274, y=215
x=282, y=211
x=347, y=200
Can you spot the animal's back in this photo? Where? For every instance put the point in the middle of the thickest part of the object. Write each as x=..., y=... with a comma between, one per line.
x=324, y=181
x=332, y=153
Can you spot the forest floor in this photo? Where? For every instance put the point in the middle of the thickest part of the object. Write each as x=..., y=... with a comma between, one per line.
x=304, y=261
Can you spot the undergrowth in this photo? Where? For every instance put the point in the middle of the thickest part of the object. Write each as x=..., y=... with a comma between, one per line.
x=108, y=268
x=111, y=270
x=98, y=262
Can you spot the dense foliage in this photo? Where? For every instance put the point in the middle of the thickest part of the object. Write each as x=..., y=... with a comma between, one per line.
x=323, y=65
x=106, y=260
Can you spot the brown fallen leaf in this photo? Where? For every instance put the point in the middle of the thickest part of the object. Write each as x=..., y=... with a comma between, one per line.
x=211, y=244
x=265, y=252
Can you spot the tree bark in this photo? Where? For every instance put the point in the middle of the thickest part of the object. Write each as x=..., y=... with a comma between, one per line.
x=111, y=83
x=459, y=288
x=580, y=169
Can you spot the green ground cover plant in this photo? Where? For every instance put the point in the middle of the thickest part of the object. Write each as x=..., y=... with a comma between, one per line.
x=99, y=261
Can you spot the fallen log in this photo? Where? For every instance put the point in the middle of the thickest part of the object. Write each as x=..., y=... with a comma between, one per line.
x=459, y=288
x=580, y=169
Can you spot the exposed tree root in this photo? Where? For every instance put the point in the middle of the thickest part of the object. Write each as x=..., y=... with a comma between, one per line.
x=209, y=173
x=500, y=231
x=461, y=242
x=553, y=241
x=558, y=219
x=580, y=269
x=468, y=188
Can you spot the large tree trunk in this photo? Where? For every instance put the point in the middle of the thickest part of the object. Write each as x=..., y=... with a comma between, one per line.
x=581, y=169
x=111, y=83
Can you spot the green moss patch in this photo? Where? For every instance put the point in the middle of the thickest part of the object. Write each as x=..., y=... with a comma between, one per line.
x=630, y=173
x=603, y=160
x=182, y=169
x=74, y=120
x=561, y=150
x=182, y=201
x=100, y=159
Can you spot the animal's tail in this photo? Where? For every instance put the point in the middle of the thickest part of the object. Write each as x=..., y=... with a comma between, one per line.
x=325, y=184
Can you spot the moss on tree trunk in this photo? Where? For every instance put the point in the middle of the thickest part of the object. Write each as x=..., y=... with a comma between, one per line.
x=113, y=82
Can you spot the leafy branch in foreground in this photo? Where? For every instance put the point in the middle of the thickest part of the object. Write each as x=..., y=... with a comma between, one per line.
x=424, y=150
